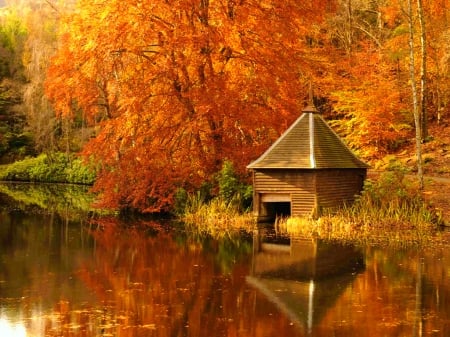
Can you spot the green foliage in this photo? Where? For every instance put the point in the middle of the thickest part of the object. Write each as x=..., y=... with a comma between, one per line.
x=12, y=39
x=181, y=199
x=231, y=187
x=228, y=182
x=400, y=30
x=57, y=168
x=222, y=215
x=232, y=194
x=391, y=187
x=12, y=32
x=392, y=202
x=79, y=173
x=14, y=141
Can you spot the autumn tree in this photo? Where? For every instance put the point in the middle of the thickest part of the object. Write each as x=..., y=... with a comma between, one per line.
x=370, y=84
x=366, y=82
x=41, y=20
x=27, y=40
x=174, y=88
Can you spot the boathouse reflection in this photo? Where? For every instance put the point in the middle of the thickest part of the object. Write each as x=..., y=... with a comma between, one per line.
x=303, y=277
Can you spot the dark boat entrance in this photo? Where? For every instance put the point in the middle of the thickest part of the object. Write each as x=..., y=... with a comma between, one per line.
x=274, y=205
x=277, y=209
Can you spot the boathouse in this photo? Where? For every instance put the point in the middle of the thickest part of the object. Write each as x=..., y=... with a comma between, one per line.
x=307, y=171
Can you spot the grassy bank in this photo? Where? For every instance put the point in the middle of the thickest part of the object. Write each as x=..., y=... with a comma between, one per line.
x=224, y=213
x=373, y=229
x=54, y=168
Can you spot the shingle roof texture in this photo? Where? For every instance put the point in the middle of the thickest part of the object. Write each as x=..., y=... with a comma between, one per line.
x=309, y=143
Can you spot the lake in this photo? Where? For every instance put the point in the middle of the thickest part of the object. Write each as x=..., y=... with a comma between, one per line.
x=65, y=271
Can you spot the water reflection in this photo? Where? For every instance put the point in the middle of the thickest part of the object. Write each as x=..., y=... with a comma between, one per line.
x=303, y=277
x=65, y=199
x=39, y=255
x=396, y=292
x=7, y=329
x=64, y=275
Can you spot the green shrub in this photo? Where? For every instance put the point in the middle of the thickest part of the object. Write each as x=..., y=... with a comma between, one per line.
x=79, y=173
x=19, y=171
x=229, y=184
x=231, y=187
x=56, y=168
x=230, y=193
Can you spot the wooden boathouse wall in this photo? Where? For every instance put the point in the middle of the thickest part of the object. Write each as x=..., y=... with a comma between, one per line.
x=336, y=187
x=308, y=167
x=308, y=191
x=295, y=186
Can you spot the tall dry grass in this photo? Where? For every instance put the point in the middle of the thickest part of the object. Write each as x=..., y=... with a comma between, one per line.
x=389, y=211
x=217, y=217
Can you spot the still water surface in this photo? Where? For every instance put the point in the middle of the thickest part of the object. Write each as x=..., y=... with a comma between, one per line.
x=63, y=275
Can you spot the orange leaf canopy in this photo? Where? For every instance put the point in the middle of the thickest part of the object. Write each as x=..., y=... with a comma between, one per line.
x=176, y=87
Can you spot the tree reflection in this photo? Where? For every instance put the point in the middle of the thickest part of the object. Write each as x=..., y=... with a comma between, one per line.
x=164, y=284
x=60, y=277
x=64, y=199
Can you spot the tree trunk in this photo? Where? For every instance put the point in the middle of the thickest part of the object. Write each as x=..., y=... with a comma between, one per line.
x=412, y=75
x=350, y=26
x=423, y=72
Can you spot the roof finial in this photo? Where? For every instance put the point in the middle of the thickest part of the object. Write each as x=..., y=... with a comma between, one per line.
x=311, y=108
x=311, y=96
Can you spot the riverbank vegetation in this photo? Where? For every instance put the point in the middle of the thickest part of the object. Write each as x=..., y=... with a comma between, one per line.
x=217, y=217
x=221, y=209
x=55, y=168
x=389, y=211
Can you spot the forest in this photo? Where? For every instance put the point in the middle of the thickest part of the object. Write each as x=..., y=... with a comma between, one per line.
x=156, y=96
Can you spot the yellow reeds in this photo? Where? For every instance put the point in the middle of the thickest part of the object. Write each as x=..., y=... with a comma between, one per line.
x=217, y=217
x=389, y=222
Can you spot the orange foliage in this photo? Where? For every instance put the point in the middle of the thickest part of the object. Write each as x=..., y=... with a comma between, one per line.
x=375, y=114
x=174, y=88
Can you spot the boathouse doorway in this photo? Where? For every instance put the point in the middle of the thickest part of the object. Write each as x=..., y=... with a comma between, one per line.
x=275, y=205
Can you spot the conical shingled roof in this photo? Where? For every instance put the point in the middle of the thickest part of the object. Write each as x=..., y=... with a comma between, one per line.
x=309, y=143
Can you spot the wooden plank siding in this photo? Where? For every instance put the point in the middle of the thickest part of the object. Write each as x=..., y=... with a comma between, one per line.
x=337, y=187
x=310, y=166
x=302, y=204
x=282, y=181
x=310, y=191
x=299, y=184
